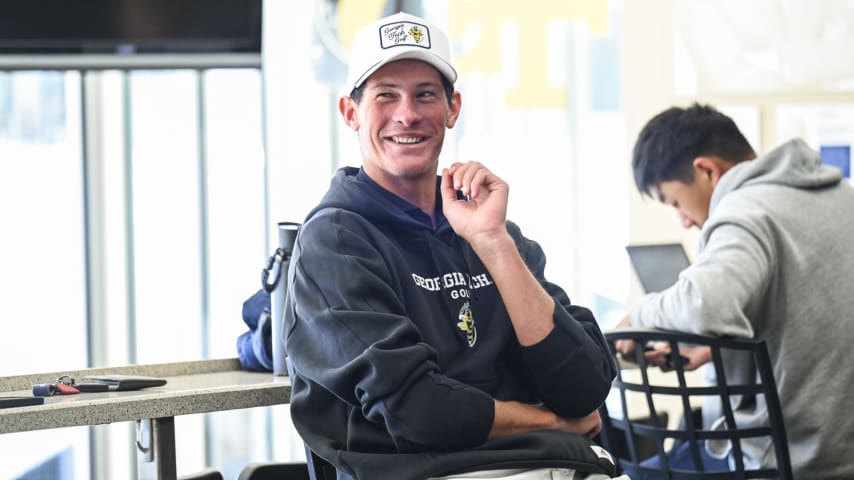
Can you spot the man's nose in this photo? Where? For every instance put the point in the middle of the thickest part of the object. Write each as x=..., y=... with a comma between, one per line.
x=408, y=111
x=686, y=222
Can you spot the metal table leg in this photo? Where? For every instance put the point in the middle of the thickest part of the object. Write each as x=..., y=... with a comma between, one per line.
x=155, y=448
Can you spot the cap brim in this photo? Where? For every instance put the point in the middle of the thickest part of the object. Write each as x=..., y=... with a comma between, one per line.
x=444, y=68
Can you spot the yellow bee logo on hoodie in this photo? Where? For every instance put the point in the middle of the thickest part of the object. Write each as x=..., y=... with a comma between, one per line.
x=466, y=324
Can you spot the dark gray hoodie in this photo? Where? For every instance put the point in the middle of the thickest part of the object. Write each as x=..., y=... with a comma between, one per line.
x=400, y=342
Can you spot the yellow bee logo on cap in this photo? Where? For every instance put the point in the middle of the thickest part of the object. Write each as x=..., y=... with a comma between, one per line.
x=416, y=33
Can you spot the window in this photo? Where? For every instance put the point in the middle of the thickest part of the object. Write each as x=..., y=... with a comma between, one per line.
x=141, y=250
x=43, y=279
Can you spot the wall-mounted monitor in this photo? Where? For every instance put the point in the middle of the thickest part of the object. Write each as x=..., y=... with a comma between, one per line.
x=129, y=33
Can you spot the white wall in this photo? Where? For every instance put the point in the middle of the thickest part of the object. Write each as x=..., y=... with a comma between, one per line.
x=752, y=60
x=648, y=87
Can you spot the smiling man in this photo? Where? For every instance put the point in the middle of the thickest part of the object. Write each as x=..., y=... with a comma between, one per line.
x=775, y=263
x=425, y=340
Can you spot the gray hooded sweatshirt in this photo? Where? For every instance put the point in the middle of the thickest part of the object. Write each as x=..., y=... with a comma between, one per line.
x=776, y=262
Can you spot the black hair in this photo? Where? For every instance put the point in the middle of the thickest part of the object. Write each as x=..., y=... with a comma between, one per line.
x=670, y=141
x=447, y=86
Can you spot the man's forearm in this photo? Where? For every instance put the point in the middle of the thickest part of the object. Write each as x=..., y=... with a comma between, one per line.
x=512, y=418
x=530, y=307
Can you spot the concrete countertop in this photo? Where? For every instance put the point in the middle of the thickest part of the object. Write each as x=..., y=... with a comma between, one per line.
x=192, y=387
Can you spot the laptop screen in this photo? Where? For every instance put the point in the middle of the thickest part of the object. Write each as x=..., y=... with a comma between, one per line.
x=657, y=266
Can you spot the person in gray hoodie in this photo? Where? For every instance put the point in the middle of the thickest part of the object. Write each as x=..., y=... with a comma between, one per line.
x=775, y=263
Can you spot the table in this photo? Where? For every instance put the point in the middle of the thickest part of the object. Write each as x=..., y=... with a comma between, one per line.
x=192, y=387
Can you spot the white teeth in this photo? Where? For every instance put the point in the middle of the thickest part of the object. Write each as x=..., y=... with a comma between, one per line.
x=406, y=139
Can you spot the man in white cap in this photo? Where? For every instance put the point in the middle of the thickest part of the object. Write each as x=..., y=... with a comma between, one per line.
x=424, y=339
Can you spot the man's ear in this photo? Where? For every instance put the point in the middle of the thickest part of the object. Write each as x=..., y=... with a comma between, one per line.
x=710, y=167
x=349, y=111
x=454, y=110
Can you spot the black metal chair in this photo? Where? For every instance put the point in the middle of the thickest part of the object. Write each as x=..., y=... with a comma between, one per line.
x=206, y=474
x=319, y=469
x=314, y=469
x=653, y=387
x=274, y=471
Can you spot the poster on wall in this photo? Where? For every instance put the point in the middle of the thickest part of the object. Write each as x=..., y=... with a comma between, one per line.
x=839, y=156
x=828, y=128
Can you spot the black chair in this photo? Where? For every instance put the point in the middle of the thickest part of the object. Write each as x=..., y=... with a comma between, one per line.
x=315, y=468
x=655, y=387
x=274, y=471
x=318, y=468
x=206, y=474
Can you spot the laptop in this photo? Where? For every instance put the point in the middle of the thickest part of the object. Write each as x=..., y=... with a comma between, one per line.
x=657, y=266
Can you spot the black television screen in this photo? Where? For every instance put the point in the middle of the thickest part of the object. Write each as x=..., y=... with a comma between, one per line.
x=129, y=27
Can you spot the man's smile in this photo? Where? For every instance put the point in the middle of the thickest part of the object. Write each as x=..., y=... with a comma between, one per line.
x=406, y=139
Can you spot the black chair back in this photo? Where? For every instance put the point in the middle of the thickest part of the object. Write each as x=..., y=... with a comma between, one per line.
x=640, y=384
x=318, y=468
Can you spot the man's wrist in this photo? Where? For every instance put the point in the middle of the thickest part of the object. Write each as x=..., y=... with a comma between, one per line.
x=493, y=246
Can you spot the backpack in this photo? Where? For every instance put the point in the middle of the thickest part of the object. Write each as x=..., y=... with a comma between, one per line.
x=256, y=349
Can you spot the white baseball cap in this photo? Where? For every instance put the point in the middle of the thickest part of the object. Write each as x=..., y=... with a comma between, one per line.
x=398, y=37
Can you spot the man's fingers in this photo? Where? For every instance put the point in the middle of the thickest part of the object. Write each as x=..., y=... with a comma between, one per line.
x=625, y=347
x=449, y=193
x=656, y=357
x=478, y=181
x=468, y=177
x=449, y=187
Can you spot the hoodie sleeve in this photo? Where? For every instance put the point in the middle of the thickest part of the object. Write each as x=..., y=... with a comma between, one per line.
x=350, y=335
x=719, y=293
x=572, y=368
